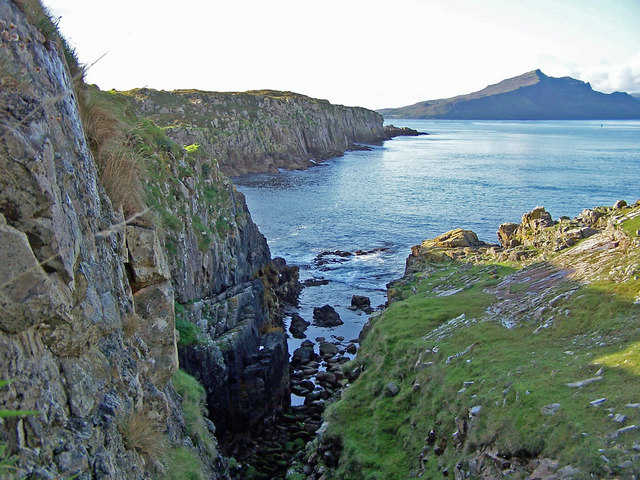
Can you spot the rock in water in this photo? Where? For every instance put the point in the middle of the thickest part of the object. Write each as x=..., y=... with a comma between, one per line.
x=393, y=131
x=298, y=326
x=326, y=316
x=360, y=301
x=327, y=348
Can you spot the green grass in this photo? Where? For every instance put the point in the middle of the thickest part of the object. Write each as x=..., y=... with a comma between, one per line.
x=193, y=405
x=190, y=334
x=182, y=464
x=514, y=374
x=632, y=226
x=203, y=233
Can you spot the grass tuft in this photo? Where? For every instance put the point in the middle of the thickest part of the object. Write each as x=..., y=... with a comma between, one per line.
x=193, y=405
x=143, y=434
x=119, y=165
x=182, y=464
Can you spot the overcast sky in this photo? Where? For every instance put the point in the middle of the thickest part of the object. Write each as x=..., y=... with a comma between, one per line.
x=373, y=53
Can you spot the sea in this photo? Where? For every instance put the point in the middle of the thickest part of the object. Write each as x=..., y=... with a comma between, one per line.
x=468, y=174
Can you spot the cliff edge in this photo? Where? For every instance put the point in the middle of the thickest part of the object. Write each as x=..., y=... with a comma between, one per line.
x=259, y=131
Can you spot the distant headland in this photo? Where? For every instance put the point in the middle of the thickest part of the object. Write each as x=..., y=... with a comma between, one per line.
x=531, y=96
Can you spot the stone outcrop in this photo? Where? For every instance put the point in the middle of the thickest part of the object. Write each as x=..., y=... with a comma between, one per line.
x=229, y=288
x=88, y=300
x=260, y=131
x=393, y=131
x=87, y=330
x=326, y=316
x=534, y=231
x=298, y=326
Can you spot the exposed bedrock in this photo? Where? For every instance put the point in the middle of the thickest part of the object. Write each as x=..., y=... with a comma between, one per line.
x=260, y=131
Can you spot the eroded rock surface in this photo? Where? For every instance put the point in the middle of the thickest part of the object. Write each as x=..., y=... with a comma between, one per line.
x=260, y=131
x=75, y=340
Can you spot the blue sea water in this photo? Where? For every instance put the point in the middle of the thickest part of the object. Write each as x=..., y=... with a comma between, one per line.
x=468, y=174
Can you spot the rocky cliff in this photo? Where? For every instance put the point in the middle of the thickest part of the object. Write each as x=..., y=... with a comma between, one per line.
x=121, y=252
x=519, y=359
x=259, y=131
x=87, y=349
x=228, y=293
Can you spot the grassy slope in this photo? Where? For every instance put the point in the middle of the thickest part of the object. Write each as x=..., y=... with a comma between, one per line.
x=514, y=372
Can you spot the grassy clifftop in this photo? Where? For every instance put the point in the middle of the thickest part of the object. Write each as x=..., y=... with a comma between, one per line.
x=261, y=130
x=522, y=361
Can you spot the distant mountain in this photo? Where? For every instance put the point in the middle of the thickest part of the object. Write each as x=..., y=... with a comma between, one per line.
x=531, y=96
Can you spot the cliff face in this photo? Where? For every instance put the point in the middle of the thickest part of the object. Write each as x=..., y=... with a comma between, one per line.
x=260, y=131
x=89, y=353
x=88, y=334
x=225, y=285
x=531, y=96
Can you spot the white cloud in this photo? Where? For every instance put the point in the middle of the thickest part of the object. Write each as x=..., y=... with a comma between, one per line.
x=622, y=77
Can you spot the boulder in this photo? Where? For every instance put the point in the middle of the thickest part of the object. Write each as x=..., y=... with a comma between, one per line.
x=550, y=409
x=315, y=282
x=302, y=355
x=327, y=348
x=545, y=469
x=392, y=389
x=457, y=238
x=536, y=219
x=589, y=217
x=619, y=204
x=361, y=302
x=326, y=316
x=298, y=326
x=506, y=232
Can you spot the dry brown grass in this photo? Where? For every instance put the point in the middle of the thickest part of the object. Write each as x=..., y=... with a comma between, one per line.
x=120, y=166
x=120, y=171
x=130, y=325
x=38, y=16
x=102, y=125
x=144, y=435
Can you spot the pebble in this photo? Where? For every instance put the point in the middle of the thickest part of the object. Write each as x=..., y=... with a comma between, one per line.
x=620, y=418
x=632, y=405
x=597, y=402
x=550, y=409
x=624, y=430
x=392, y=389
x=583, y=383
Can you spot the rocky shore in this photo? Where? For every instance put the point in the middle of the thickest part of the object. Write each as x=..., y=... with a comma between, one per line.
x=392, y=131
x=441, y=403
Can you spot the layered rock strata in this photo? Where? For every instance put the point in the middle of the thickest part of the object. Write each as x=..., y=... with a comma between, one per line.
x=87, y=330
x=87, y=299
x=260, y=131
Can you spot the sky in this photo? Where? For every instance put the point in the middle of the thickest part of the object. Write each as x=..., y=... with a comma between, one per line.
x=371, y=53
